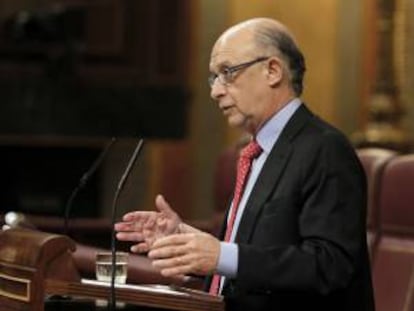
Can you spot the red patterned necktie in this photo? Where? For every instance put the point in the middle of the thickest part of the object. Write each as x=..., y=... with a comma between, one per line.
x=247, y=155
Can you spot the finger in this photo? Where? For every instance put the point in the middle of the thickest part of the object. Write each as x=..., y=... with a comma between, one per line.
x=167, y=252
x=140, y=226
x=130, y=236
x=173, y=239
x=177, y=271
x=137, y=216
x=128, y=226
x=170, y=262
x=140, y=248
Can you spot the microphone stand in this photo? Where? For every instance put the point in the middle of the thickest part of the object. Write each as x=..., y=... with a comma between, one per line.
x=138, y=148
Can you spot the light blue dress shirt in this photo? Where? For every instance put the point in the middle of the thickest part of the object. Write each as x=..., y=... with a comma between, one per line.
x=267, y=137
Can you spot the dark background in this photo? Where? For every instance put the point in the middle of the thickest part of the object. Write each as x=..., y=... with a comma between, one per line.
x=84, y=69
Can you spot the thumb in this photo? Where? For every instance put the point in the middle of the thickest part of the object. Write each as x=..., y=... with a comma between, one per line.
x=163, y=206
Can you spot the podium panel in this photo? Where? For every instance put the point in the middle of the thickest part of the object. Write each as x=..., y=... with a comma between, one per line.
x=35, y=265
x=27, y=259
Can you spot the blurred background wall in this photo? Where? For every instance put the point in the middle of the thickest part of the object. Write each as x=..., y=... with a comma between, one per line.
x=139, y=68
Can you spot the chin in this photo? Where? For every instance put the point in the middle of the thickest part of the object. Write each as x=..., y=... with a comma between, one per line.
x=235, y=124
x=236, y=121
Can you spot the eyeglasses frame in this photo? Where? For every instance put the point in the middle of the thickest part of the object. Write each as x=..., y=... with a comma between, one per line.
x=227, y=76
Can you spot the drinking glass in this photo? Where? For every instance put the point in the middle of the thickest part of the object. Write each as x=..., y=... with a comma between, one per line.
x=104, y=265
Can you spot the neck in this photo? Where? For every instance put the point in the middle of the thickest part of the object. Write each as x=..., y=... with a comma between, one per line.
x=274, y=107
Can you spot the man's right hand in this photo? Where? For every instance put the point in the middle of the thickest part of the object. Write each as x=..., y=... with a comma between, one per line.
x=145, y=227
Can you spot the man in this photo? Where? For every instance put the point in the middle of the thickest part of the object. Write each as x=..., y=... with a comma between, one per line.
x=294, y=238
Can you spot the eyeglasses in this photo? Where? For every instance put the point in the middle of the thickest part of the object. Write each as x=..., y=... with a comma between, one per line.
x=226, y=74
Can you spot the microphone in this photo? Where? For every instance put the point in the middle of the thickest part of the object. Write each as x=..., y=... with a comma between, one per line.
x=134, y=156
x=82, y=182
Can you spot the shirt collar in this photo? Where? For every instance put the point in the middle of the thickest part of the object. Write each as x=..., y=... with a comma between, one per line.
x=270, y=132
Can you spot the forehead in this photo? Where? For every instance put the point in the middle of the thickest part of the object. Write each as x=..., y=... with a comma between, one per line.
x=232, y=47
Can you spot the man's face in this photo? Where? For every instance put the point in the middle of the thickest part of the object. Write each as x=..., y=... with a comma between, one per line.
x=242, y=98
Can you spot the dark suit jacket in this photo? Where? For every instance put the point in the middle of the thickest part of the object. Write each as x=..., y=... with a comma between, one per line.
x=302, y=238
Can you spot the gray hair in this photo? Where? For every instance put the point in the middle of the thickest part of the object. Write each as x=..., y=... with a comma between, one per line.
x=273, y=37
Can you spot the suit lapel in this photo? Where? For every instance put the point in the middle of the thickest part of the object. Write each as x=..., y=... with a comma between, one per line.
x=271, y=173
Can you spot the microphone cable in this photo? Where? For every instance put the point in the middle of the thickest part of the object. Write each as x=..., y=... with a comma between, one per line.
x=82, y=182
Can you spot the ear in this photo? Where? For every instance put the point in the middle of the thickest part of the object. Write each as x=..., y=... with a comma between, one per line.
x=275, y=71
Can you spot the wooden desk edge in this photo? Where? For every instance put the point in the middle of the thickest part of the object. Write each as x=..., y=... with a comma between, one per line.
x=192, y=301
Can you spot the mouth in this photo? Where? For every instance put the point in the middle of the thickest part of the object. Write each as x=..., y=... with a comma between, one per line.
x=226, y=109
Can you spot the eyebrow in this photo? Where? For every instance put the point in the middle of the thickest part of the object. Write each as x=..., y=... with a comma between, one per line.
x=221, y=66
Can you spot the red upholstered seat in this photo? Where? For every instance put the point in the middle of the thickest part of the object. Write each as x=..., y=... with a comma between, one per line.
x=393, y=269
x=374, y=160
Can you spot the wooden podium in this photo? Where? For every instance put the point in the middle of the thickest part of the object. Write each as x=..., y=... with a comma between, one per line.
x=35, y=265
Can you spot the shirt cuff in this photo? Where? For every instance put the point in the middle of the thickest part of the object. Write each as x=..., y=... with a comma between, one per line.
x=228, y=260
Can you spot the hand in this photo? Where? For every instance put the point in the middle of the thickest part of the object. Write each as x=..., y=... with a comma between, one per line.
x=145, y=227
x=182, y=254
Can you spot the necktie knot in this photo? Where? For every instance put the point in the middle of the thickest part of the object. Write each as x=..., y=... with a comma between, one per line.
x=251, y=151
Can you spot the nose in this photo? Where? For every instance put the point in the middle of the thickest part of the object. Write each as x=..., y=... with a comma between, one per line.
x=217, y=90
